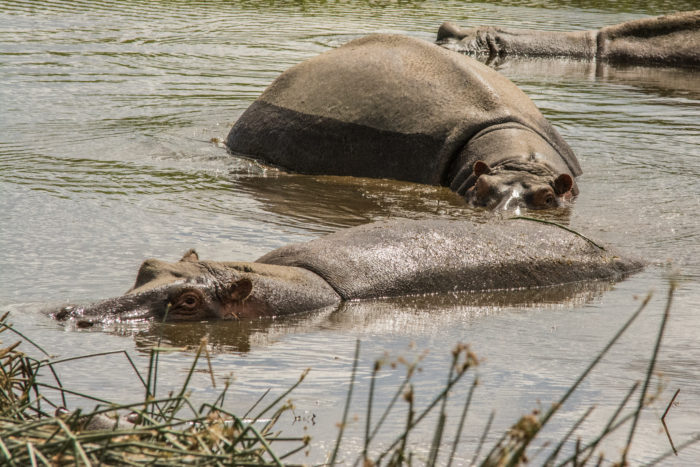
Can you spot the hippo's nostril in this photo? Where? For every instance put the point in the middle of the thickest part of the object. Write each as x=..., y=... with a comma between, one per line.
x=64, y=312
x=84, y=324
x=511, y=201
x=134, y=417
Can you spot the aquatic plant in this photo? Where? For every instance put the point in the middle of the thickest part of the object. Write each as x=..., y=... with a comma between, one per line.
x=38, y=430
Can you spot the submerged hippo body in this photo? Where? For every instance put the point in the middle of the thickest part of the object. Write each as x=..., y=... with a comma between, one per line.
x=383, y=259
x=672, y=40
x=388, y=106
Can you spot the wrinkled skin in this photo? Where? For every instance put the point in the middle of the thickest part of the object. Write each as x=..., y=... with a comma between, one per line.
x=389, y=106
x=671, y=40
x=194, y=290
x=383, y=259
x=509, y=187
x=536, y=178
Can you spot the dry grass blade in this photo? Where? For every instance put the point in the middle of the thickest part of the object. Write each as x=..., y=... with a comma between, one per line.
x=457, y=371
x=462, y=419
x=347, y=404
x=172, y=431
x=511, y=449
x=650, y=371
x=663, y=421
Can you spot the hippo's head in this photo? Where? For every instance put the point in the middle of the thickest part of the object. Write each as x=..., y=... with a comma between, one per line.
x=187, y=290
x=193, y=290
x=517, y=184
x=510, y=166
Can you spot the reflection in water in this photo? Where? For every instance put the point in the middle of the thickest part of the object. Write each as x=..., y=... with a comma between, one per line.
x=650, y=7
x=327, y=203
x=226, y=336
x=417, y=314
x=337, y=202
x=667, y=82
x=662, y=81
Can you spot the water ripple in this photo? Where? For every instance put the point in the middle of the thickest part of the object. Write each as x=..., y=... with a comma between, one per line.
x=109, y=109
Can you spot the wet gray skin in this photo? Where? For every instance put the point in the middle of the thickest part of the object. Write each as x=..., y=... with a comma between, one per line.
x=515, y=185
x=382, y=259
x=193, y=290
x=395, y=107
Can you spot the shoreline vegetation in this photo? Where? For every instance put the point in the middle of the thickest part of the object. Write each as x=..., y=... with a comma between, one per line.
x=37, y=429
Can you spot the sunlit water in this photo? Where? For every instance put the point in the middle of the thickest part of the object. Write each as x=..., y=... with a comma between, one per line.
x=107, y=112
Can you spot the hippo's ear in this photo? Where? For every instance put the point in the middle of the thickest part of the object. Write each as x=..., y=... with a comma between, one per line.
x=563, y=184
x=190, y=256
x=240, y=290
x=480, y=168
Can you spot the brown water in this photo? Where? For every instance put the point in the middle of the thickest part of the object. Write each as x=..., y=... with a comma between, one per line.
x=107, y=110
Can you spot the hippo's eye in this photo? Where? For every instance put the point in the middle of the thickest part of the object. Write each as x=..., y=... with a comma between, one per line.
x=187, y=302
x=543, y=198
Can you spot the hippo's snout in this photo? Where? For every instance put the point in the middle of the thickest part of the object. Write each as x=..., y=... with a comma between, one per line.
x=192, y=299
x=63, y=313
x=518, y=185
x=76, y=313
x=512, y=201
x=129, y=306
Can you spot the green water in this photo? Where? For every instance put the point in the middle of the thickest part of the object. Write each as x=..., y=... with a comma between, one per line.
x=107, y=111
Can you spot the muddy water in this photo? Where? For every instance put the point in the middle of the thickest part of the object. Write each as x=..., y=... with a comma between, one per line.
x=108, y=110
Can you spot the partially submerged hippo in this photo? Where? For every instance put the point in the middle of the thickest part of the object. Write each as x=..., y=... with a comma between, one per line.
x=662, y=40
x=389, y=106
x=383, y=259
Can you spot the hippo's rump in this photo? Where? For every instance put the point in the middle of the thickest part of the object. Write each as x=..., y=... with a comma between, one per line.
x=383, y=106
x=404, y=257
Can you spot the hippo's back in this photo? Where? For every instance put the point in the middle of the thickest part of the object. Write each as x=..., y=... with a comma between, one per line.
x=404, y=257
x=383, y=106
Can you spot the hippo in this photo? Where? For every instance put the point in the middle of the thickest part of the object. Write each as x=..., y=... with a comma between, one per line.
x=396, y=107
x=671, y=40
x=384, y=259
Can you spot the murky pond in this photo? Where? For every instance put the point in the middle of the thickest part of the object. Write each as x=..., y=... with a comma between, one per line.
x=107, y=113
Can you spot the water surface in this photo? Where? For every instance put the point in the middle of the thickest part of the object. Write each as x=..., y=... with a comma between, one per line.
x=108, y=111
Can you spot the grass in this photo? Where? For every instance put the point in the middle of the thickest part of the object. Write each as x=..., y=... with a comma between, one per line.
x=37, y=429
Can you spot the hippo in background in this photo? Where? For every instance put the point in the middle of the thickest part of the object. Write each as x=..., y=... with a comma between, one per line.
x=390, y=106
x=382, y=259
x=671, y=40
